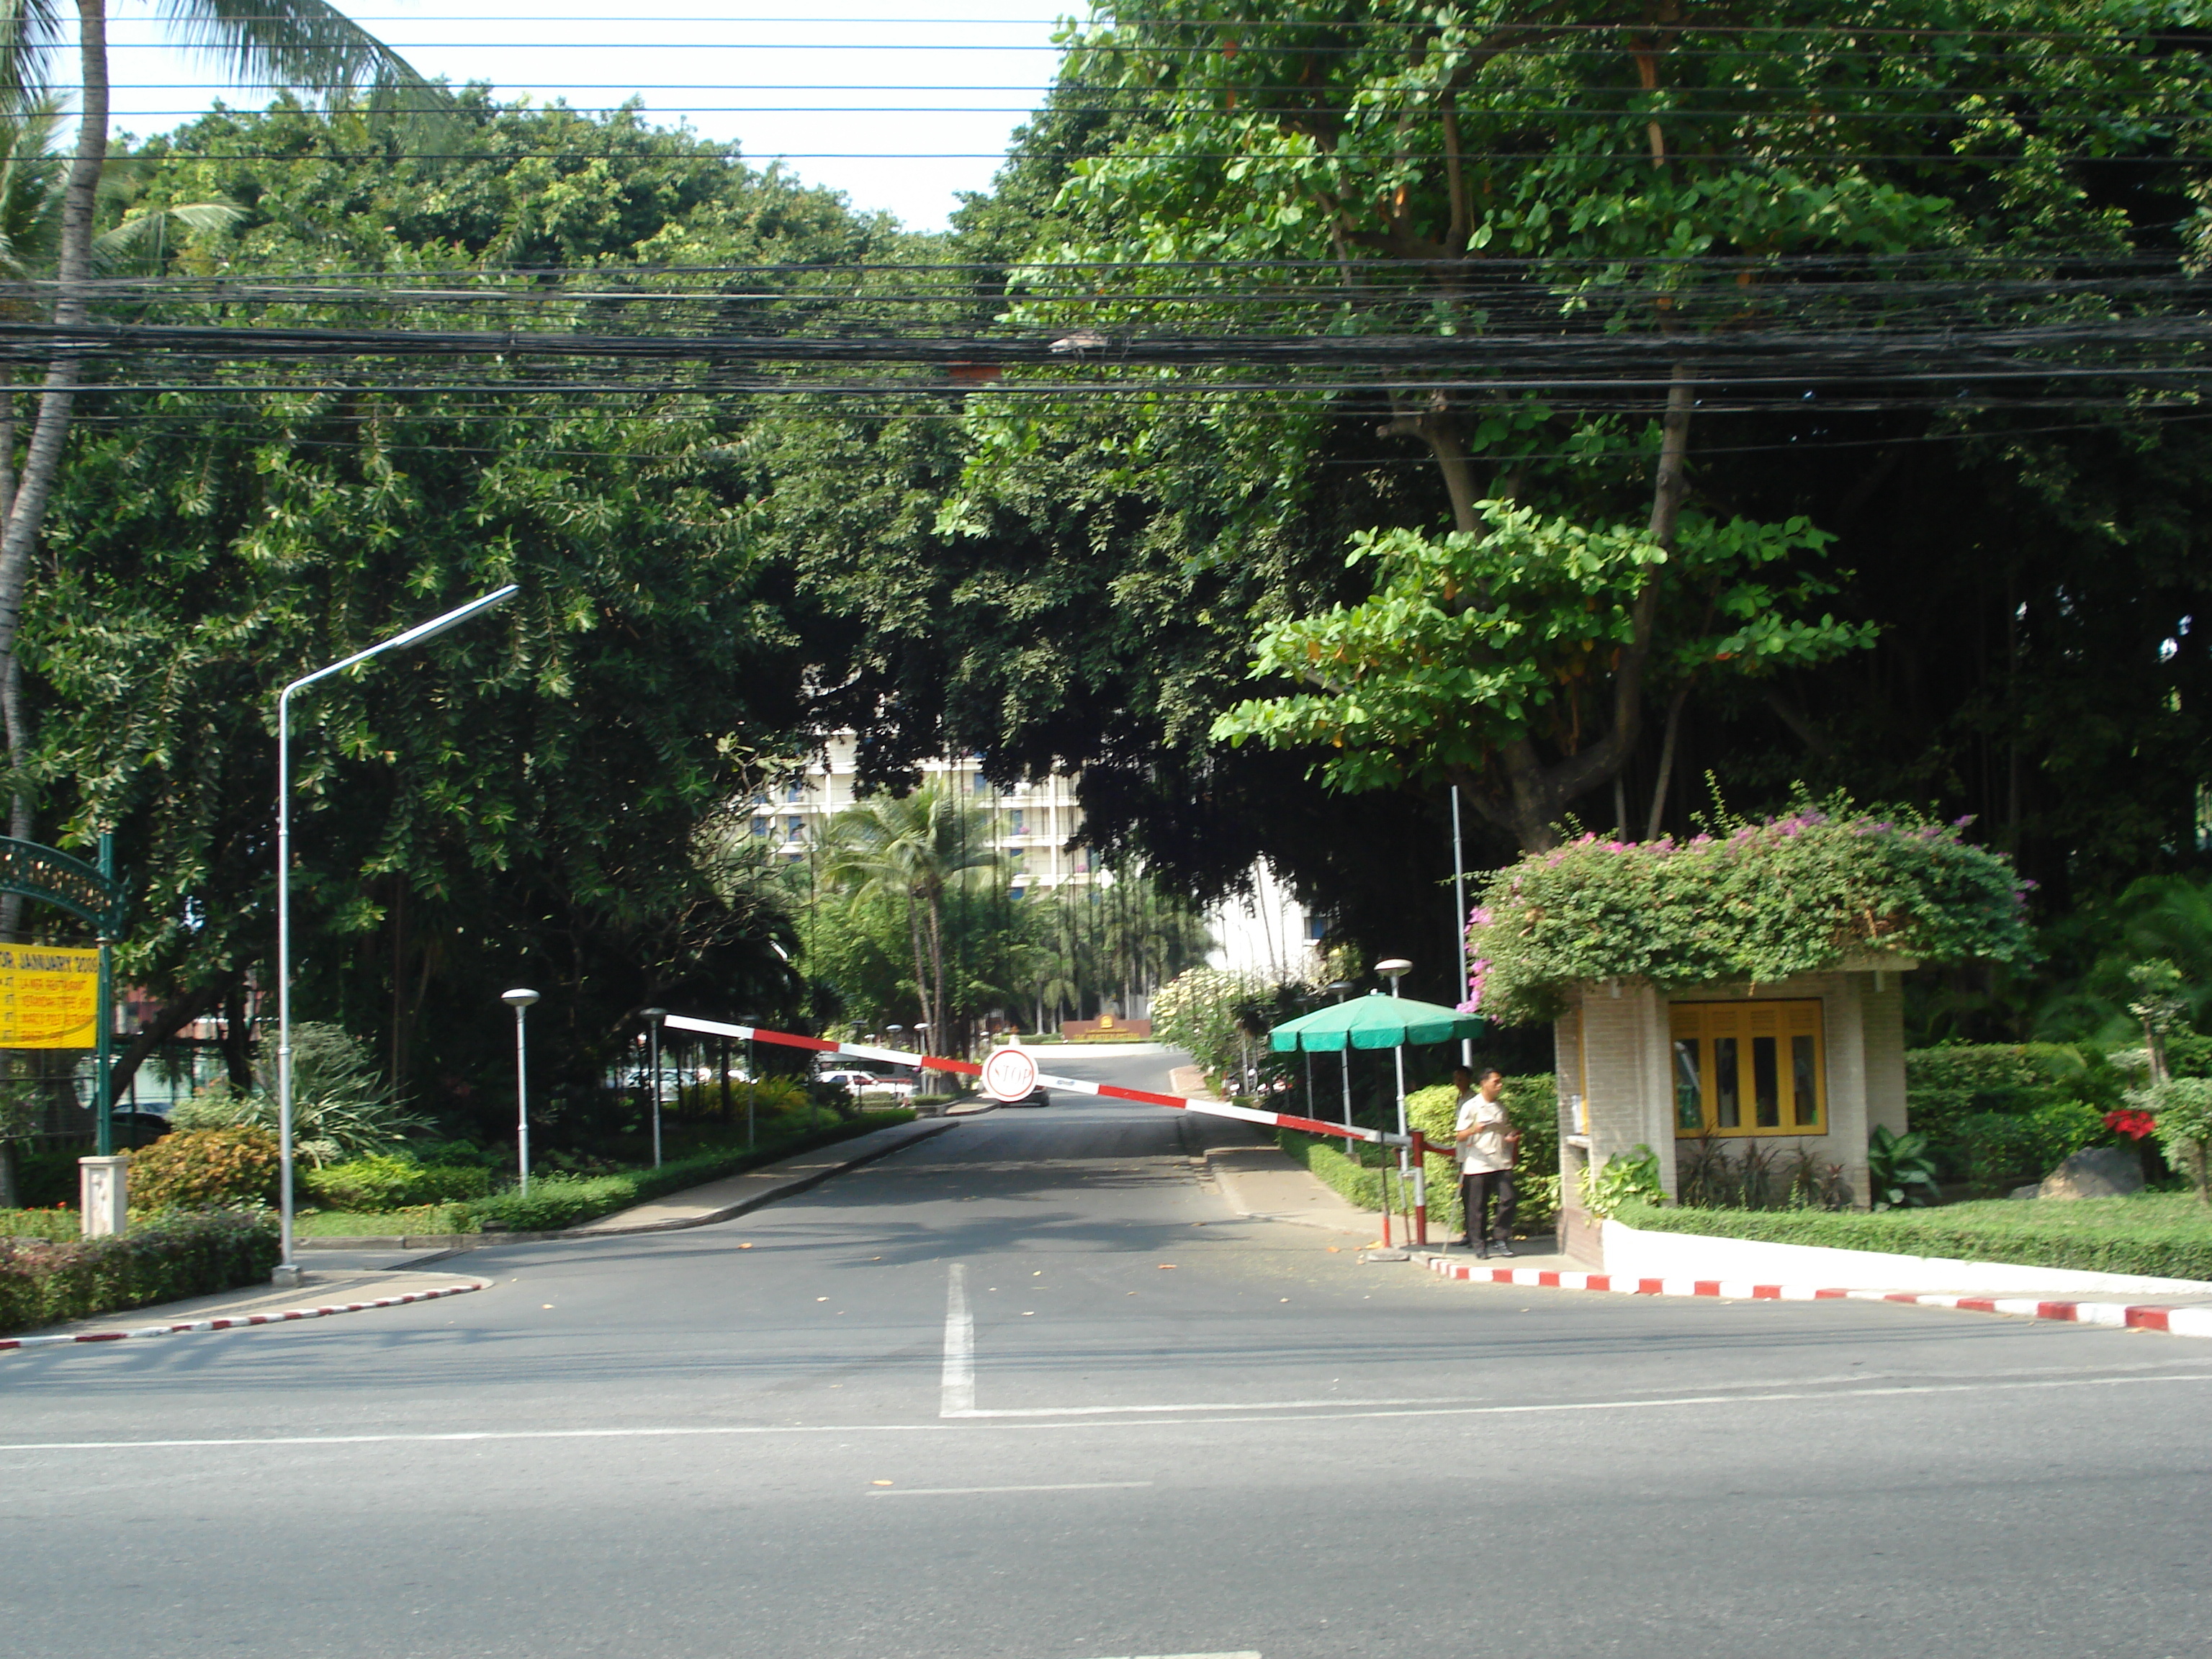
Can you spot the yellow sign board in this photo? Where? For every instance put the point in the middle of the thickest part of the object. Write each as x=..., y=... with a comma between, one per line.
x=49, y=997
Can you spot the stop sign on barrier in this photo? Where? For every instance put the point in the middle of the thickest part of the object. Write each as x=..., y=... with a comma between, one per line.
x=1009, y=1074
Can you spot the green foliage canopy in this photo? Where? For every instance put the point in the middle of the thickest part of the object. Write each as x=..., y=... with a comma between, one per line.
x=1757, y=902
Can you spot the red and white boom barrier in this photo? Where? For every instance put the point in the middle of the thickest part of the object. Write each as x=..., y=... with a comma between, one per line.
x=1010, y=1078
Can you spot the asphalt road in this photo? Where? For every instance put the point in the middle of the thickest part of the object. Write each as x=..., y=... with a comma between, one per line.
x=1029, y=1390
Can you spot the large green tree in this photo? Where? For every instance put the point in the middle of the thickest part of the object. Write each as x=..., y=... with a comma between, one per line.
x=1094, y=596
x=305, y=44
x=538, y=798
x=1507, y=170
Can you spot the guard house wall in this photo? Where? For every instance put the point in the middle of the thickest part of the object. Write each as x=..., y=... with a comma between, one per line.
x=1613, y=1054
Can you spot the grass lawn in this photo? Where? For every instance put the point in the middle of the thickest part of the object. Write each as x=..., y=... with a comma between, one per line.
x=2167, y=1235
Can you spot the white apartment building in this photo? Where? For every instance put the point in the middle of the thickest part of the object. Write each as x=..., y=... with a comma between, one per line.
x=1032, y=824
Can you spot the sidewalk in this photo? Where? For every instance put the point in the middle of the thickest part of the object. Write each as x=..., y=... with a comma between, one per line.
x=314, y=1290
x=734, y=1195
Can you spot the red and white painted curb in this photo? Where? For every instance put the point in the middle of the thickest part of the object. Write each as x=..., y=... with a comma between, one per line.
x=2176, y=1322
x=242, y=1320
x=1312, y=1126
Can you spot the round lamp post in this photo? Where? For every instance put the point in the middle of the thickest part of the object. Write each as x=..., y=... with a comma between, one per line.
x=521, y=1000
x=656, y=1015
x=1394, y=968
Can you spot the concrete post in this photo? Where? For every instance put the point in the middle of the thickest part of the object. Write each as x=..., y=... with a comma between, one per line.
x=103, y=1201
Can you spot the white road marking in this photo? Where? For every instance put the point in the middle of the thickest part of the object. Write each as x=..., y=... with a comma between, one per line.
x=940, y=1427
x=957, y=1396
x=1197, y=1406
x=961, y=1492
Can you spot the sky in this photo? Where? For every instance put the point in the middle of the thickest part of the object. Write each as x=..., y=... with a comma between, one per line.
x=892, y=101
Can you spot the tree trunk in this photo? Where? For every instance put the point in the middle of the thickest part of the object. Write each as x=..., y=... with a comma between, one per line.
x=237, y=1040
x=937, y=998
x=175, y=1015
x=921, y=970
x=42, y=460
x=1665, y=764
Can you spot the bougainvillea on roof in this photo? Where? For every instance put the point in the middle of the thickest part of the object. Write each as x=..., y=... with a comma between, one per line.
x=1753, y=902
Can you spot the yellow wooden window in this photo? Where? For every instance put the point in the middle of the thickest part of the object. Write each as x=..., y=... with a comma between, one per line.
x=1749, y=1068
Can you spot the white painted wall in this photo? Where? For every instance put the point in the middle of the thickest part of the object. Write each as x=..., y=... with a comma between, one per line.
x=1264, y=934
x=1632, y=1253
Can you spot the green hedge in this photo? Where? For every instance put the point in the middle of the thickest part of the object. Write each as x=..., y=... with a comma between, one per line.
x=184, y=1254
x=2165, y=1234
x=394, y=1180
x=1999, y=1115
x=557, y=1201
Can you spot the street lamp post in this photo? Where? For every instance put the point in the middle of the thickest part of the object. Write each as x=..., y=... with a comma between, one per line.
x=287, y=1271
x=1394, y=969
x=656, y=1015
x=521, y=1000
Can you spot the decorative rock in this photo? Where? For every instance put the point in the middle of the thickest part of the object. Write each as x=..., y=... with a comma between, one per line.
x=2100, y=1172
x=2033, y=1189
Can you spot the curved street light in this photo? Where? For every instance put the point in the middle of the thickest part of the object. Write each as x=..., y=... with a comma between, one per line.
x=287, y=1271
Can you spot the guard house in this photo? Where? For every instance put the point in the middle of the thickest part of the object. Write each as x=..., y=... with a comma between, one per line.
x=1817, y=1060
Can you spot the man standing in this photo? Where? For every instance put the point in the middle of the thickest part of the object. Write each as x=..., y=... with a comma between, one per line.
x=1487, y=1143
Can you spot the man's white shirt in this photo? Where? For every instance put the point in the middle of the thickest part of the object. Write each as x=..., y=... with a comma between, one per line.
x=1485, y=1151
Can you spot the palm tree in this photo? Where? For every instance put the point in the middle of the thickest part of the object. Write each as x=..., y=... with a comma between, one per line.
x=30, y=239
x=305, y=45
x=918, y=847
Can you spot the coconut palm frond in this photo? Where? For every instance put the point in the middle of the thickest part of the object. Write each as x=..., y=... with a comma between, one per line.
x=311, y=48
x=32, y=33
x=146, y=235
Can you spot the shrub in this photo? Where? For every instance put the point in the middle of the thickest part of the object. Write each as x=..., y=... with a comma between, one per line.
x=2182, y=1112
x=1625, y=1178
x=1949, y=1091
x=2163, y=1235
x=1756, y=902
x=340, y=1106
x=772, y=1096
x=2004, y=1150
x=197, y=1169
x=1198, y=1011
x=43, y=1283
x=393, y=1181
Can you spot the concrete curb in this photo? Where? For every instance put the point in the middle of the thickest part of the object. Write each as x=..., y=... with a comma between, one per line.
x=242, y=1320
x=923, y=1130
x=2175, y=1322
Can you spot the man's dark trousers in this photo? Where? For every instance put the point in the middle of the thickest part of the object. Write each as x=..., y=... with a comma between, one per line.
x=1477, y=1190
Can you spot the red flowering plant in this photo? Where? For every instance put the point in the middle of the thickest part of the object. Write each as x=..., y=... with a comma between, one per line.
x=2133, y=1125
x=1755, y=901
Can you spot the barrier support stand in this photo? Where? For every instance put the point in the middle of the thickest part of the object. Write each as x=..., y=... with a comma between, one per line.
x=1420, y=1190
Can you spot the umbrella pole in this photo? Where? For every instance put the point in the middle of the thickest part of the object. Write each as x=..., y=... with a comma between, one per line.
x=1419, y=1234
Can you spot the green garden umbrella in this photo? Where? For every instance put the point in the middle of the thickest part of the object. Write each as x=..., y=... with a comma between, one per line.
x=1373, y=1021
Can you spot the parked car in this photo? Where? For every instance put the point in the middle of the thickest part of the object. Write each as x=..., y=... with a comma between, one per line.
x=870, y=1083
x=1035, y=1098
